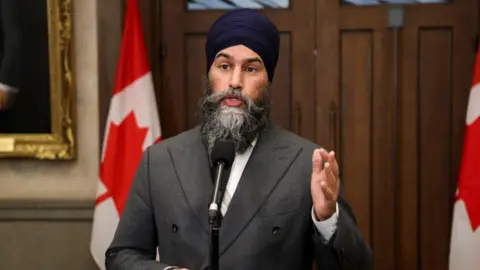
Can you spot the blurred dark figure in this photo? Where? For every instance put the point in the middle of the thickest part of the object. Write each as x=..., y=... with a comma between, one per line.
x=24, y=67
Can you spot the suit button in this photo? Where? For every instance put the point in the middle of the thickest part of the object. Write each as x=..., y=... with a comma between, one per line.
x=342, y=254
x=174, y=228
x=275, y=230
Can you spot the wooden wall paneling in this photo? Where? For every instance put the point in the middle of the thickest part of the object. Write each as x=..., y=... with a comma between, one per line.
x=437, y=67
x=149, y=12
x=384, y=150
x=110, y=26
x=173, y=93
x=327, y=77
x=356, y=125
x=434, y=149
x=354, y=76
x=408, y=158
x=195, y=62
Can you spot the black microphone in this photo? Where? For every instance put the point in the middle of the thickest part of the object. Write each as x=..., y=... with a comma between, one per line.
x=222, y=156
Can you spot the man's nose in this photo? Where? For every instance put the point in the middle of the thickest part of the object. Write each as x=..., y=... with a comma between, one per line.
x=236, y=79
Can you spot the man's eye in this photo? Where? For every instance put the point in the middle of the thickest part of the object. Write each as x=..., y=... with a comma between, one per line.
x=251, y=69
x=224, y=66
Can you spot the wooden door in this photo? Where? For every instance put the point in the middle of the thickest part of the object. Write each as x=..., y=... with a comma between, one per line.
x=437, y=47
x=357, y=107
x=183, y=64
x=392, y=84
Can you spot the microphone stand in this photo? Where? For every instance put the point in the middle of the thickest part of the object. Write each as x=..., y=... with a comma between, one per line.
x=215, y=216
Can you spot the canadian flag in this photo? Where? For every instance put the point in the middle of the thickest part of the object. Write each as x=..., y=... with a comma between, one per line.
x=465, y=239
x=132, y=125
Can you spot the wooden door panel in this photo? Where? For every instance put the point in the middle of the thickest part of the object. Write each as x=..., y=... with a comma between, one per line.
x=183, y=66
x=383, y=158
x=355, y=56
x=408, y=166
x=436, y=74
x=366, y=134
x=284, y=19
x=194, y=79
x=284, y=110
x=426, y=185
x=435, y=122
x=355, y=119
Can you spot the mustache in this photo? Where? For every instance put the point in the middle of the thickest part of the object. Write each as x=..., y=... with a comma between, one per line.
x=229, y=93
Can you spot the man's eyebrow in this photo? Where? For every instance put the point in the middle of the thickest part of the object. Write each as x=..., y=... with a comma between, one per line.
x=248, y=60
x=254, y=59
x=223, y=55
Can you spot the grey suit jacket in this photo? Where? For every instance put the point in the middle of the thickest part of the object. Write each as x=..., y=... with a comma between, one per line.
x=268, y=224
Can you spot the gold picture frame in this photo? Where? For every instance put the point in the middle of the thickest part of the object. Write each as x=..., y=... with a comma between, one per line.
x=60, y=143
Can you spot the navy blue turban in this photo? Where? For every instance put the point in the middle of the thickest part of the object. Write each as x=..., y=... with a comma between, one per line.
x=245, y=27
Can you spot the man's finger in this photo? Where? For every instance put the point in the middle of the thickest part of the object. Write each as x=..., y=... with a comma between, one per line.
x=333, y=161
x=316, y=162
x=329, y=176
x=324, y=154
x=327, y=192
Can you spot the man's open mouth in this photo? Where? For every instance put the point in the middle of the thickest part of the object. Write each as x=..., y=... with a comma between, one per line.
x=232, y=101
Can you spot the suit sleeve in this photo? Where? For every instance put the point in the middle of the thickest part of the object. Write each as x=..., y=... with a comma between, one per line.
x=346, y=250
x=135, y=241
x=10, y=23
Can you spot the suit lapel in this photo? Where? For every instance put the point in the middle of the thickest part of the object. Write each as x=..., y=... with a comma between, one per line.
x=192, y=167
x=266, y=166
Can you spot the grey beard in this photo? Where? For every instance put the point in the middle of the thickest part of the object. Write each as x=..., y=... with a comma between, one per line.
x=239, y=125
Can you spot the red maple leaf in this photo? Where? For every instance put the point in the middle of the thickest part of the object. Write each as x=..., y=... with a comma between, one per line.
x=469, y=182
x=123, y=153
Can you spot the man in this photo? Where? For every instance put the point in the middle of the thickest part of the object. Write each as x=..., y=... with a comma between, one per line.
x=282, y=208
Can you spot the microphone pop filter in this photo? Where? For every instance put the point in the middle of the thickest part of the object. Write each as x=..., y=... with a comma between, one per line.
x=223, y=151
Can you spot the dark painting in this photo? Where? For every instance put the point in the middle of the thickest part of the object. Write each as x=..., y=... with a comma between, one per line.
x=24, y=66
